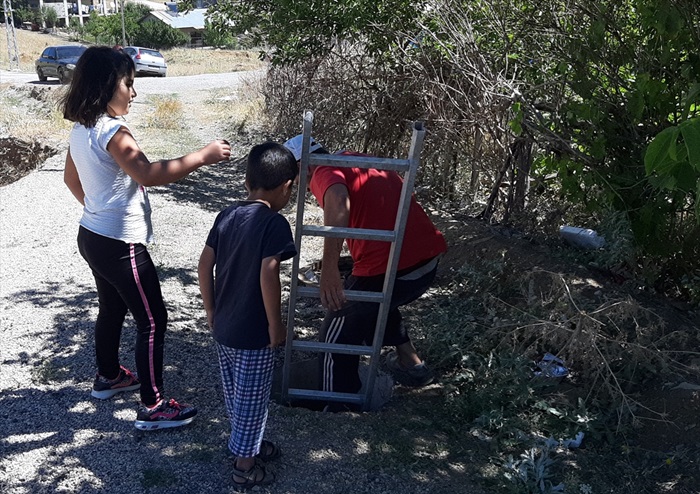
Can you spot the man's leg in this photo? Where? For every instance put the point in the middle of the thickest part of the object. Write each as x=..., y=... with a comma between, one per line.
x=339, y=372
x=352, y=325
x=407, y=354
x=405, y=364
x=355, y=323
x=410, y=284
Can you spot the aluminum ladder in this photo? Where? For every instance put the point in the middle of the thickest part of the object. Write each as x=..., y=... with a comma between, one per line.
x=408, y=167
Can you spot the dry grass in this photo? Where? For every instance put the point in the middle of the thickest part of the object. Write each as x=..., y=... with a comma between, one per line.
x=244, y=109
x=32, y=114
x=181, y=61
x=30, y=45
x=185, y=61
x=167, y=113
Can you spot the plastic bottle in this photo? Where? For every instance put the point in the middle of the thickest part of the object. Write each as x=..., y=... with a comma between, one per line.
x=584, y=238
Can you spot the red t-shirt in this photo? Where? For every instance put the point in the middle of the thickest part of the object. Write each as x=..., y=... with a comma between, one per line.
x=374, y=198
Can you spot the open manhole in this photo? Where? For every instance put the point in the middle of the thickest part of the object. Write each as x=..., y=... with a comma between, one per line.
x=19, y=158
x=310, y=274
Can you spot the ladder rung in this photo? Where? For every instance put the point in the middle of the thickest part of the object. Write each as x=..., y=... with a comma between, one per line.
x=350, y=161
x=310, y=346
x=311, y=394
x=344, y=232
x=357, y=295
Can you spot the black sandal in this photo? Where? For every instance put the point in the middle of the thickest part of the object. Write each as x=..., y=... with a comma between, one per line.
x=268, y=451
x=257, y=475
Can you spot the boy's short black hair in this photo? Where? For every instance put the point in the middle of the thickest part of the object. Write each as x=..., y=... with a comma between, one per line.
x=95, y=78
x=269, y=166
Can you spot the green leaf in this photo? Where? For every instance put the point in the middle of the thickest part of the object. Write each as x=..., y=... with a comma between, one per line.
x=598, y=148
x=691, y=98
x=515, y=127
x=673, y=148
x=516, y=122
x=685, y=176
x=661, y=149
x=690, y=129
x=667, y=182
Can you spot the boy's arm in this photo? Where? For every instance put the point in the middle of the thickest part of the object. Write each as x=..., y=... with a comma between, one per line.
x=205, y=270
x=272, y=299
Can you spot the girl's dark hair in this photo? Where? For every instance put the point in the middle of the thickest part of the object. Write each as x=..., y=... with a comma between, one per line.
x=269, y=166
x=95, y=78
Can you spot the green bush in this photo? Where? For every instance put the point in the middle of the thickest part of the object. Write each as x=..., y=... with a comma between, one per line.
x=50, y=16
x=218, y=38
x=155, y=34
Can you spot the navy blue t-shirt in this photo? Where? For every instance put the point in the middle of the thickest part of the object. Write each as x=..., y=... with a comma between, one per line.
x=242, y=236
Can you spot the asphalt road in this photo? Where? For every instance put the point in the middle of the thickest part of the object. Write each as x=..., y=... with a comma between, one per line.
x=148, y=85
x=8, y=76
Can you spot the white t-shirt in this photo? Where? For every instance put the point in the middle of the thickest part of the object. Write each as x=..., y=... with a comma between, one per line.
x=116, y=206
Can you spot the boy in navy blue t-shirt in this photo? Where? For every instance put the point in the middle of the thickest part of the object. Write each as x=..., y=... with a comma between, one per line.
x=240, y=286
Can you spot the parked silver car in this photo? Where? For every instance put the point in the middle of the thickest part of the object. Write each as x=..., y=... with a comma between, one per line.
x=147, y=60
x=58, y=61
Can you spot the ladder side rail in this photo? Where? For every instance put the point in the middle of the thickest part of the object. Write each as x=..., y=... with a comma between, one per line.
x=294, y=284
x=394, y=255
x=355, y=161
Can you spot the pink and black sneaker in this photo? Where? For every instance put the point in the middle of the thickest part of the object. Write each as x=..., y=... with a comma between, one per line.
x=164, y=415
x=104, y=388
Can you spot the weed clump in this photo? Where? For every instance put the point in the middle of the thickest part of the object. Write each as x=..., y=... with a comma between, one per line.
x=167, y=113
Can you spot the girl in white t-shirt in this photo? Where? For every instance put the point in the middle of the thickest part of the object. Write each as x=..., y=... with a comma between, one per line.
x=108, y=174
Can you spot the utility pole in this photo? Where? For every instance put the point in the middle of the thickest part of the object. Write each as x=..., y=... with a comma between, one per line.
x=65, y=13
x=12, y=51
x=123, y=28
x=41, y=9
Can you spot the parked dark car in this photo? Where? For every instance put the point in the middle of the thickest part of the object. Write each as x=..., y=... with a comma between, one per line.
x=58, y=61
x=147, y=60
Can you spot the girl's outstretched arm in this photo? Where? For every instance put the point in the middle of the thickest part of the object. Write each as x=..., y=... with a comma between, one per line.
x=72, y=180
x=128, y=155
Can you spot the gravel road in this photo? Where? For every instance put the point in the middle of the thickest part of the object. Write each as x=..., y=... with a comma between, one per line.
x=56, y=438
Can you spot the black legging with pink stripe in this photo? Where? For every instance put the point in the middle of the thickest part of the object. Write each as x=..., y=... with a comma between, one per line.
x=126, y=279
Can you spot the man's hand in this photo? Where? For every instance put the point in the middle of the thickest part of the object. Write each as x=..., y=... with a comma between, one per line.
x=331, y=286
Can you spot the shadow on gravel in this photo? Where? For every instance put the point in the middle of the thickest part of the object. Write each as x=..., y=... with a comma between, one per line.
x=91, y=442
x=187, y=277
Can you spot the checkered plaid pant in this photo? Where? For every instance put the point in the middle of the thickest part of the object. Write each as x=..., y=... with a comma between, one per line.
x=247, y=380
